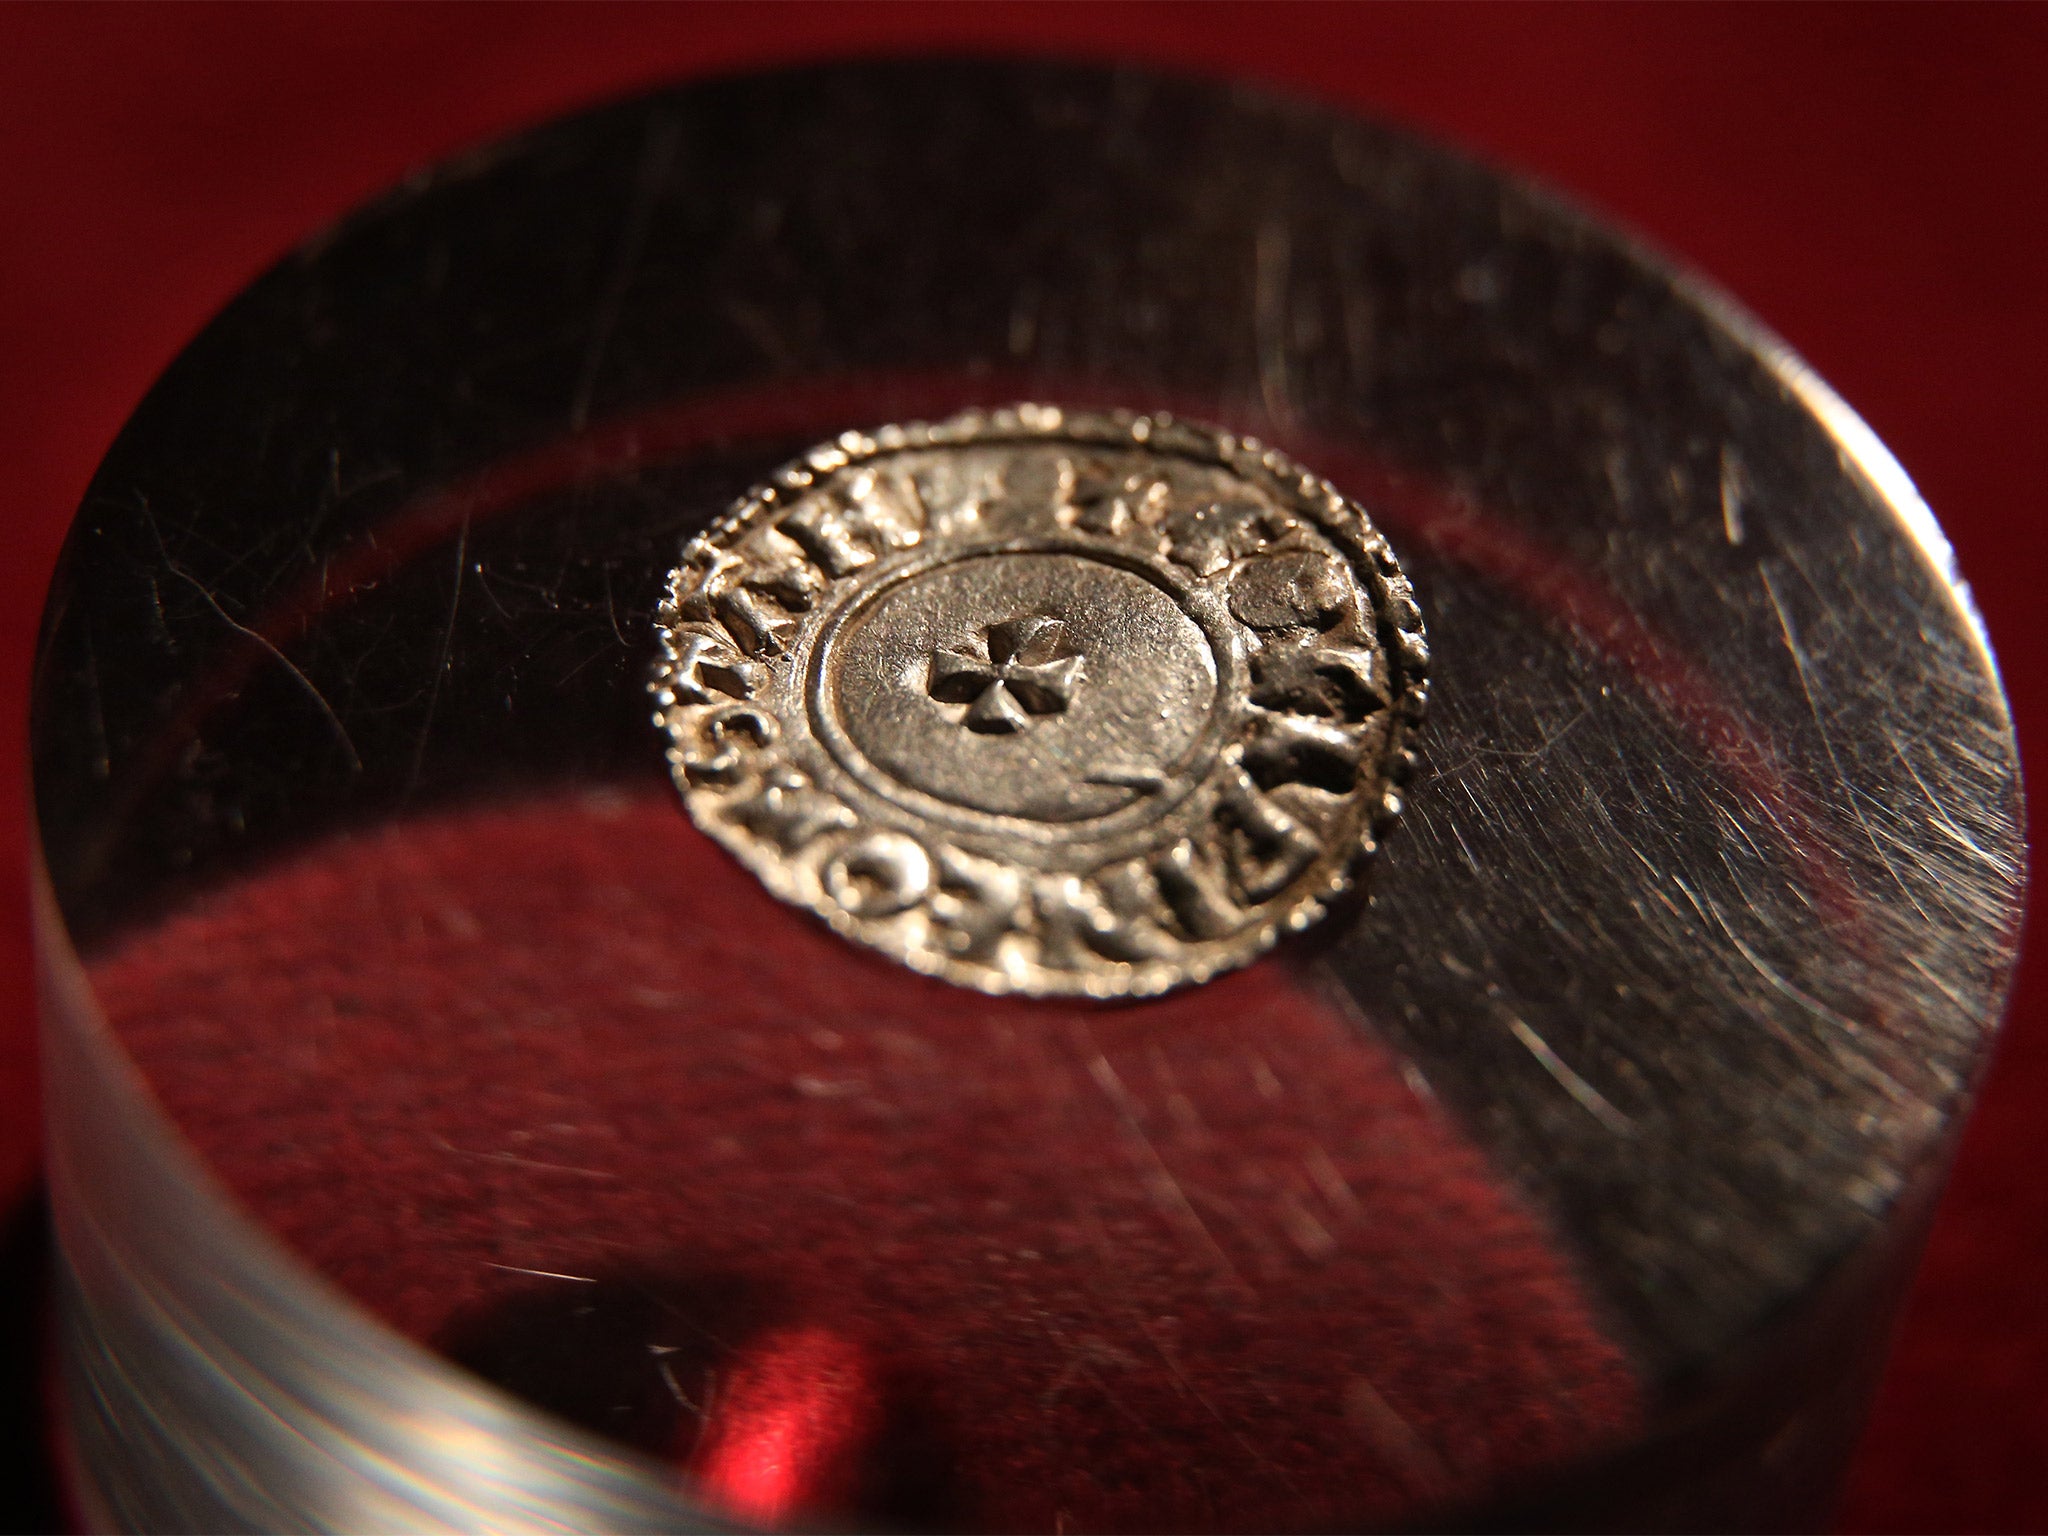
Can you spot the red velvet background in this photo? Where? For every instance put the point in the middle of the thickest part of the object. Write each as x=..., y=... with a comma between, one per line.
x=1870, y=181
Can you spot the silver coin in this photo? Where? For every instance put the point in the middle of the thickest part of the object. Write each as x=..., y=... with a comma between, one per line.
x=1045, y=702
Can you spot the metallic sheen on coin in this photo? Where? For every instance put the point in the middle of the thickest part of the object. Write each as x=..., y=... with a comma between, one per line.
x=1045, y=702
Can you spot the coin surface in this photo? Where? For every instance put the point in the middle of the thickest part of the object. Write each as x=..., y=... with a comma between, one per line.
x=1045, y=702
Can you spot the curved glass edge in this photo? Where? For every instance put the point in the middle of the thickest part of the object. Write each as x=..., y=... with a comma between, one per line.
x=212, y=1382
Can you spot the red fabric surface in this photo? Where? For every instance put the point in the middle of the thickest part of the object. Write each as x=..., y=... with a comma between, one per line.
x=1869, y=181
x=1206, y=1262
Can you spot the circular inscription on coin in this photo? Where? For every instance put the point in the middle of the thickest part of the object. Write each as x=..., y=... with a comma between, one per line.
x=1045, y=702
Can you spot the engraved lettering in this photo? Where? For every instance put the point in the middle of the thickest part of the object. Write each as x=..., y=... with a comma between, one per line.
x=1299, y=588
x=1106, y=502
x=1315, y=677
x=786, y=811
x=707, y=666
x=760, y=626
x=978, y=902
x=1074, y=919
x=729, y=592
x=1271, y=847
x=1195, y=893
x=879, y=875
x=846, y=533
x=1285, y=749
x=731, y=736
x=1206, y=537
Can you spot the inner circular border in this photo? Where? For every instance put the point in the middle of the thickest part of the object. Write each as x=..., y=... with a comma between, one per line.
x=1185, y=776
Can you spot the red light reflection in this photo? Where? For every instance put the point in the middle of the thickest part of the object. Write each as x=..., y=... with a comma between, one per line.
x=785, y=1428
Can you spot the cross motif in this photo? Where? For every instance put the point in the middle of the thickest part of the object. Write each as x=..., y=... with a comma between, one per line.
x=1022, y=669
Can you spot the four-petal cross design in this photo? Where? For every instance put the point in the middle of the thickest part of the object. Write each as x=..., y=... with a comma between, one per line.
x=1026, y=671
